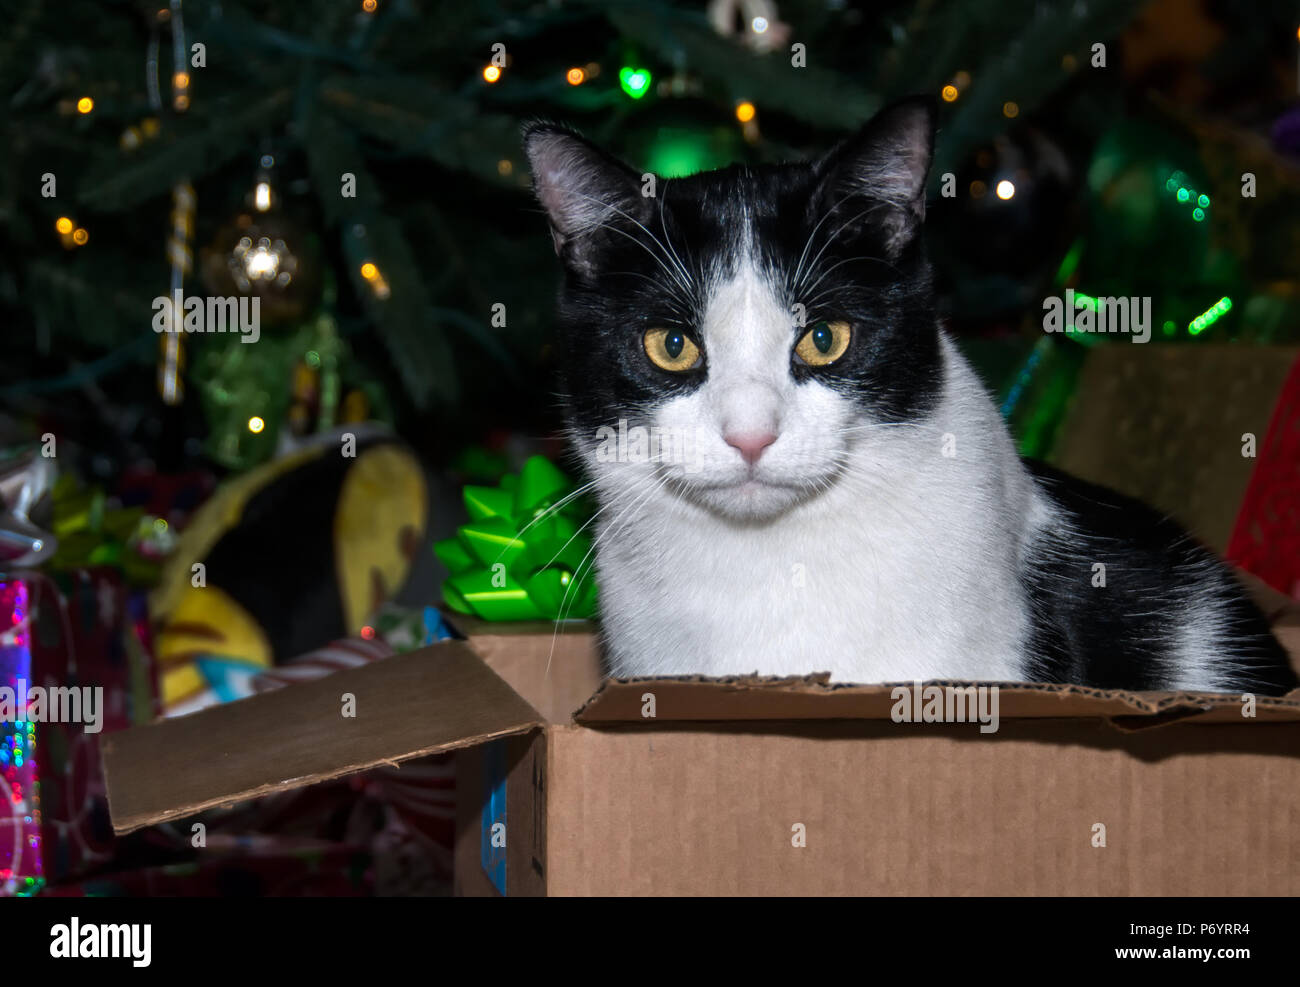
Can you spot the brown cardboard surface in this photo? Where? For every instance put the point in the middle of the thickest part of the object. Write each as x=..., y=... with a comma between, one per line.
x=554, y=687
x=570, y=679
x=526, y=813
x=431, y=700
x=892, y=810
x=814, y=698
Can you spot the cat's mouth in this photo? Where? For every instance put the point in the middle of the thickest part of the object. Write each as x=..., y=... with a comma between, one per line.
x=749, y=497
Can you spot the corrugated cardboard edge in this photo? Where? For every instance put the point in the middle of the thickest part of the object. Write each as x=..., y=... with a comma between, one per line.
x=768, y=697
x=703, y=699
x=436, y=699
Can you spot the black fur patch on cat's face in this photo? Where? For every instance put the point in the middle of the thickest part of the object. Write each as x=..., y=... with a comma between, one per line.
x=839, y=236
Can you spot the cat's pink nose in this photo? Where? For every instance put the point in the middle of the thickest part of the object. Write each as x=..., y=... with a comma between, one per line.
x=750, y=446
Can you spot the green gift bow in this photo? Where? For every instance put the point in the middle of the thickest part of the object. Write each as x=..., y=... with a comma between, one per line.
x=92, y=533
x=518, y=558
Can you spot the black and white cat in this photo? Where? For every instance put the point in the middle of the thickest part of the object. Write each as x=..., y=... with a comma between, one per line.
x=835, y=491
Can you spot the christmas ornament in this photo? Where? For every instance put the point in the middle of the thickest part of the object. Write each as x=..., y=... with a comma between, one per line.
x=255, y=398
x=754, y=23
x=267, y=256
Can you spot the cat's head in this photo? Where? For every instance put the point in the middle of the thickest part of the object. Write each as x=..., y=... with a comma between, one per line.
x=735, y=335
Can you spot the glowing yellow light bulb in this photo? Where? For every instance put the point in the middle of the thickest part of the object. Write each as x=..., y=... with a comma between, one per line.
x=369, y=271
x=85, y=104
x=576, y=76
x=63, y=225
x=491, y=73
x=1005, y=189
x=949, y=94
x=255, y=425
x=1010, y=110
x=745, y=111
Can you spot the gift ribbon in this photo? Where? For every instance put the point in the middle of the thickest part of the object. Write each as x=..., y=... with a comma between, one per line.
x=519, y=558
x=91, y=533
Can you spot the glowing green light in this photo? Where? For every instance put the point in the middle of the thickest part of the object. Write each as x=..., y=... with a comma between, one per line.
x=313, y=358
x=1170, y=185
x=1183, y=195
x=679, y=156
x=1203, y=201
x=1210, y=316
x=1169, y=327
x=635, y=82
x=1070, y=262
x=1198, y=214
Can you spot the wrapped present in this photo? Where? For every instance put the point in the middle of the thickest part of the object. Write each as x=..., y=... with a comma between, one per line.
x=525, y=553
x=1266, y=536
x=74, y=663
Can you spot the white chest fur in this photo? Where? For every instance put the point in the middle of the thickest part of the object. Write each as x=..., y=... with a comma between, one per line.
x=905, y=568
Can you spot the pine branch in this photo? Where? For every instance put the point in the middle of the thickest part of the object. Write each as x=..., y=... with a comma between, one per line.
x=197, y=145
x=801, y=92
x=419, y=350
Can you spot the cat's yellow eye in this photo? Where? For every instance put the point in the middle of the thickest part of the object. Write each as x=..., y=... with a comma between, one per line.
x=671, y=349
x=824, y=343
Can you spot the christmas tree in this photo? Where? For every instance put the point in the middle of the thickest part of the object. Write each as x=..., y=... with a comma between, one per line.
x=361, y=162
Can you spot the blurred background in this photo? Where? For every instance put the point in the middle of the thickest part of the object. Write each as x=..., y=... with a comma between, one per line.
x=175, y=520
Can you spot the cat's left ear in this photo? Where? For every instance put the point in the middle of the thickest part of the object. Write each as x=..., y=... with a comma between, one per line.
x=876, y=178
x=585, y=192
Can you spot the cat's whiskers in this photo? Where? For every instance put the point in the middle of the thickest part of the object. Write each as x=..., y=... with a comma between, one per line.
x=831, y=239
x=668, y=239
x=874, y=426
x=681, y=276
x=811, y=302
x=543, y=515
x=579, y=574
x=798, y=268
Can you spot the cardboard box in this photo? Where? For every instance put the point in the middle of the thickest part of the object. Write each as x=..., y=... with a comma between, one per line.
x=764, y=786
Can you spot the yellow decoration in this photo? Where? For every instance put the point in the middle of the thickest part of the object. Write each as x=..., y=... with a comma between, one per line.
x=382, y=492
x=205, y=621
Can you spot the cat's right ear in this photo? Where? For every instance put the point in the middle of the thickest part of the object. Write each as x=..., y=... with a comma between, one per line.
x=583, y=190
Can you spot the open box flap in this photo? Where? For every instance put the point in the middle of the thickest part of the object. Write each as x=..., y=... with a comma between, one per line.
x=436, y=699
x=814, y=697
